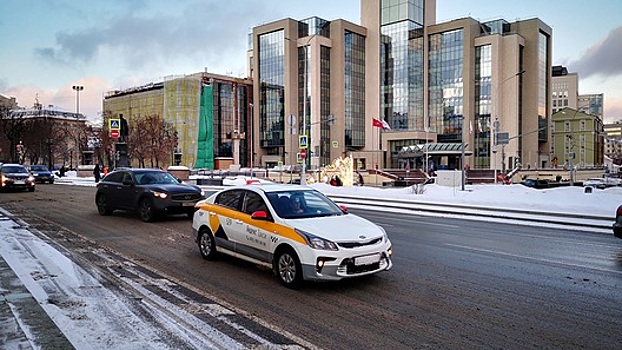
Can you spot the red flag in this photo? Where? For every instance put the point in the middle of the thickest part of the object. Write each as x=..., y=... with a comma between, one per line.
x=380, y=124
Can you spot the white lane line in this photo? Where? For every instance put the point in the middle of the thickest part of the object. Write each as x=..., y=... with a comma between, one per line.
x=531, y=258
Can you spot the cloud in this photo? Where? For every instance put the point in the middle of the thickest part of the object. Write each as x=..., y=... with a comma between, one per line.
x=602, y=59
x=613, y=109
x=208, y=33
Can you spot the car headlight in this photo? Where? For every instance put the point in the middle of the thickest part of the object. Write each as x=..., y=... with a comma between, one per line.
x=160, y=194
x=316, y=242
x=385, y=237
x=31, y=178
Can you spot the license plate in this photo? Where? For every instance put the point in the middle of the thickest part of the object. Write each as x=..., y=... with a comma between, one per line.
x=187, y=204
x=19, y=182
x=367, y=259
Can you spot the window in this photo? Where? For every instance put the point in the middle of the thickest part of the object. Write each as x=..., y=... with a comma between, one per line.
x=253, y=202
x=230, y=199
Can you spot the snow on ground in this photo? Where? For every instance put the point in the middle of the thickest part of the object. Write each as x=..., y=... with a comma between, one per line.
x=570, y=199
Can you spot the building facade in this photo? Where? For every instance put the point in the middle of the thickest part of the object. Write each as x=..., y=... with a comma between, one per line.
x=310, y=85
x=565, y=93
x=453, y=82
x=613, y=141
x=209, y=114
x=577, y=139
x=45, y=135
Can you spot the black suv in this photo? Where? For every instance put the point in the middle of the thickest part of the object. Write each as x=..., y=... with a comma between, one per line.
x=16, y=176
x=150, y=192
x=42, y=174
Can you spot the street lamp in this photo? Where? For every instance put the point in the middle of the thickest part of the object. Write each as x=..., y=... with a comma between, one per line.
x=77, y=89
x=497, y=124
x=303, y=176
x=303, y=170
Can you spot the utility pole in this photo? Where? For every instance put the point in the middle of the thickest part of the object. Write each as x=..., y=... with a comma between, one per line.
x=77, y=89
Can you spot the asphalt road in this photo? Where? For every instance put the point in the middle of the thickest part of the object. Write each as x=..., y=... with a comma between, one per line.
x=455, y=284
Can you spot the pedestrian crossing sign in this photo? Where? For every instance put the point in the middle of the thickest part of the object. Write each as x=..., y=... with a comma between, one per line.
x=303, y=142
x=114, y=124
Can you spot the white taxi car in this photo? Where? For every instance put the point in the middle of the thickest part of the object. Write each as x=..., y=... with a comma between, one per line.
x=295, y=230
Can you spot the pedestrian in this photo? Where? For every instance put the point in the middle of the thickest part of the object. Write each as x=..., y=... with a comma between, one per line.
x=360, y=179
x=338, y=181
x=62, y=170
x=97, y=173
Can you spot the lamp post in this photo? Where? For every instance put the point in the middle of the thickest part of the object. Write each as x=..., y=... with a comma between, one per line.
x=303, y=170
x=252, y=137
x=303, y=179
x=77, y=89
x=497, y=125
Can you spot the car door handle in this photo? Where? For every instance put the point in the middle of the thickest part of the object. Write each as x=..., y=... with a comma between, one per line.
x=211, y=213
x=238, y=221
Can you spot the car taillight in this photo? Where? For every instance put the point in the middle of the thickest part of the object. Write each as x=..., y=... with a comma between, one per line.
x=619, y=211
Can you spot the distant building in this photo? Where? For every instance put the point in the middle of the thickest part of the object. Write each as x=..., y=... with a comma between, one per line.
x=613, y=140
x=565, y=93
x=8, y=102
x=51, y=136
x=577, y=138
x=209, y=113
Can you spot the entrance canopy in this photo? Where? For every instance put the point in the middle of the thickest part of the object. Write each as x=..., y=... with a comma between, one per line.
x=432, y=149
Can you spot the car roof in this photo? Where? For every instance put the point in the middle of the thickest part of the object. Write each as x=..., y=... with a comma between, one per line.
x=140, y=170
x=11, y=164
x=267, y=188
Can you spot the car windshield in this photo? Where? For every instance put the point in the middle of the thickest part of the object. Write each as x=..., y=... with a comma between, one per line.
x=39, y=168
x=155, y=178
x=298, y=204
x=14, y=169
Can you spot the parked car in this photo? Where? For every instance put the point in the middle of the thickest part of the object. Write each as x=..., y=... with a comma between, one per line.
x=601, y=182
x=42, y=174
x=617, y=226
x=536, y=183
x=150, y=192
x=295, y=230
x=16, y=176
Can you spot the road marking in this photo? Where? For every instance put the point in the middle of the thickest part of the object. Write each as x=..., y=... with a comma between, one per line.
x=532, y=258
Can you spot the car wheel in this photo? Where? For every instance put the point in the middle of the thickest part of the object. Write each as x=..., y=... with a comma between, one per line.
x=288, y=269
x=51, y=182
x=102, y=205
x=146, y=210
x=31, y=189
x=207, y=245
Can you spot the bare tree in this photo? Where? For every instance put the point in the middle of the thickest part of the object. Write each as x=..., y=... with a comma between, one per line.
x=150, y=140
x=13, y=125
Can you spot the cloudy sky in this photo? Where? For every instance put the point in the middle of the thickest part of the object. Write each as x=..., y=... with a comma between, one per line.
x=49, y=46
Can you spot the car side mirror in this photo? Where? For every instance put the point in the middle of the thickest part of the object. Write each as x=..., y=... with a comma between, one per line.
x=261, y=215
x=343, y=208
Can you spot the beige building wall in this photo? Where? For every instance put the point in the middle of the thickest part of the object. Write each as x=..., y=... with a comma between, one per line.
x=291, y=101
x=564, y=92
